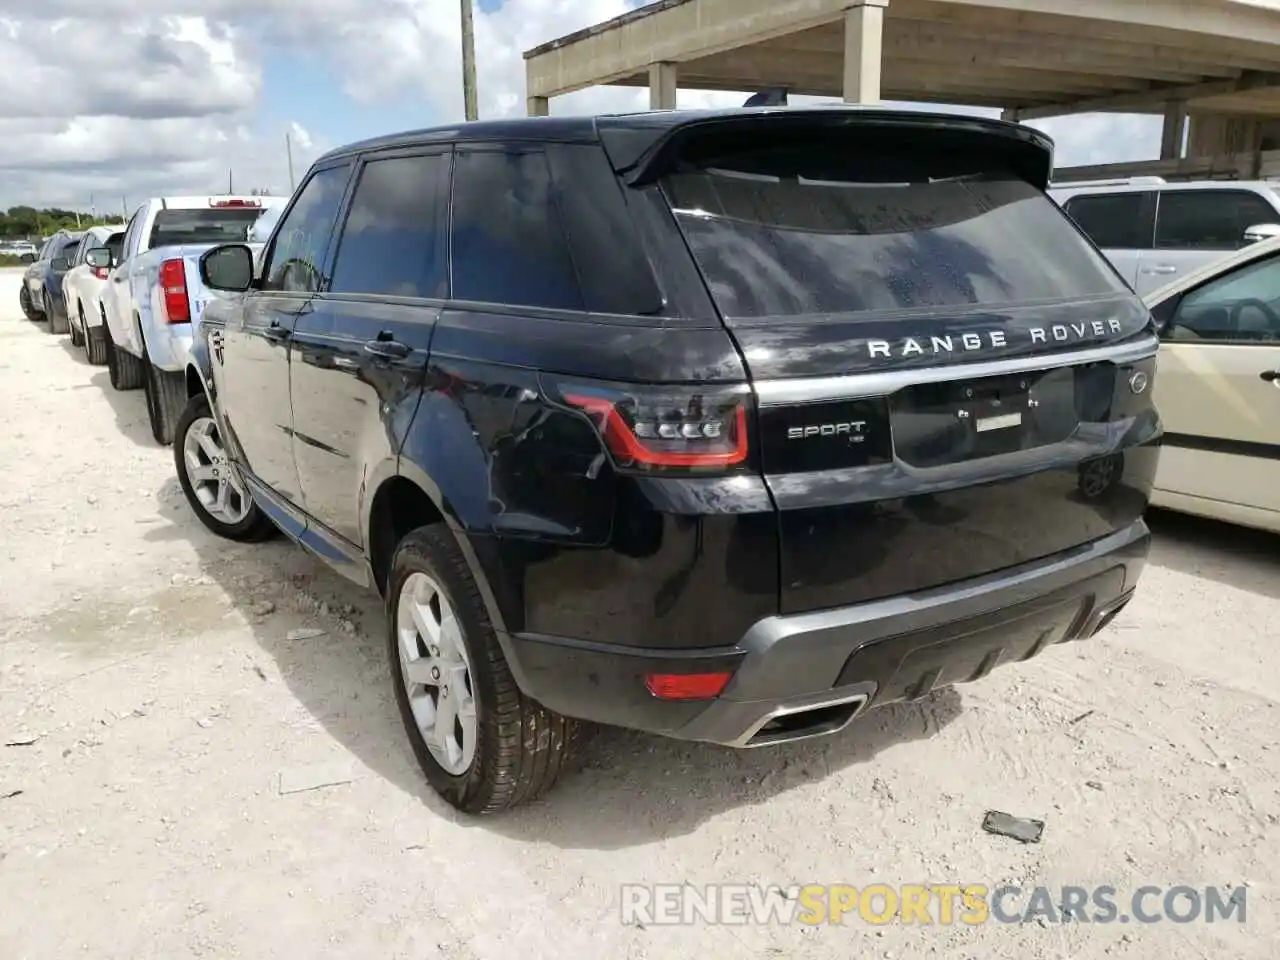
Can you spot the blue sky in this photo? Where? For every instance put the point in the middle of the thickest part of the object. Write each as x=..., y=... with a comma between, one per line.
x=186, y=88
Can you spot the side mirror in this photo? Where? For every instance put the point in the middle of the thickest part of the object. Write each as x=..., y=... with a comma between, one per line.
x=1261, y=231
x=59, y=264
x=99, y=257
x=228, y=267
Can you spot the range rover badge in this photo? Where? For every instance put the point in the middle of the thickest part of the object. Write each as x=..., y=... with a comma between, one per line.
x=1138, y=382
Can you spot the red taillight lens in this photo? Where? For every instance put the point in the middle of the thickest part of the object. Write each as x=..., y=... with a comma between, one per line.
x=101, y=273
x=215, y=202
x=687, y=686
x=656, y=428
x=173, y=284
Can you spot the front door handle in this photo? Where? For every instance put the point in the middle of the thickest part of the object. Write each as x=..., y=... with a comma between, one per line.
x=275, y=331
x=117, y=279
x=386, y=349
x=1271, y=376
x=1163, y=268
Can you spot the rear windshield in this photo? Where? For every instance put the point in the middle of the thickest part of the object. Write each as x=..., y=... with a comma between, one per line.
x=790, y=232
x=174, y=227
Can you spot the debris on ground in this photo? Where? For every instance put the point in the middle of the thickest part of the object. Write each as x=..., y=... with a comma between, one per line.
x=1084, y=716
x=305, y=633
x=21, y=741
x=313, y=777
x=10, y=794
x=1017, y=828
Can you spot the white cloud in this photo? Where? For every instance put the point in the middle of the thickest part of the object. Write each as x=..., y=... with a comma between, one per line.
x=161, y=95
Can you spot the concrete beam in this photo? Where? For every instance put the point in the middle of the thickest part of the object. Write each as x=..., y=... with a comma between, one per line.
x=863, y=41
x=1174, y=129
x=662, y=86
x=538, y=106
x=1157, y=95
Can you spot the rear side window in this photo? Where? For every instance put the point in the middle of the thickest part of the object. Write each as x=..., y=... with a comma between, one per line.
x=1115, y=221
x=509, y=242
x=394, y=240
x=797, y=233
x=174, y=227
x=1209, y=219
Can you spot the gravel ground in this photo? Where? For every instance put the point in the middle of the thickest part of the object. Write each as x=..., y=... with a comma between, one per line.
x=155, y=700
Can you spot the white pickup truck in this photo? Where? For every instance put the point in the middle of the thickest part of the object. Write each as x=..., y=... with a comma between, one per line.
x=154, y=296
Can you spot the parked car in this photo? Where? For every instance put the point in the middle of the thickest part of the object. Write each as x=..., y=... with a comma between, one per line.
x=154, y=296
x=83, y=284
x=1154, y=232
x=24, y=250
x=1219, y=391
x=41, y=293
x=719, y=425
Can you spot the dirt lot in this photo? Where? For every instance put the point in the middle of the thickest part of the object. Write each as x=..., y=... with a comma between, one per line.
x=154, y=699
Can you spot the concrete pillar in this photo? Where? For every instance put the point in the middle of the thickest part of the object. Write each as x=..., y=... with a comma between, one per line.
x=1175, y=125
x=1012, y=114
x=863, y=41
x=539, y=106
x=662, y=86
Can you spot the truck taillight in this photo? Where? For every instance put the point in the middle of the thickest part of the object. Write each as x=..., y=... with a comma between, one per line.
x=698, y=428
x=173, y=284
x=102, y=273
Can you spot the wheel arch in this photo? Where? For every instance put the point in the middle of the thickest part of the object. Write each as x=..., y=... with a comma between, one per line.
x=405, y=499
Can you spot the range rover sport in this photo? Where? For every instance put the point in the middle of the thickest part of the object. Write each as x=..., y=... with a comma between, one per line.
x=725, y=426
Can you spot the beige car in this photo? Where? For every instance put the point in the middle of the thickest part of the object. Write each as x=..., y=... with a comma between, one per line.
x=1218, y=389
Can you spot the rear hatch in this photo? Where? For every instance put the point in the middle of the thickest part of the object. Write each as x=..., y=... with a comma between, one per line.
x=941, y=360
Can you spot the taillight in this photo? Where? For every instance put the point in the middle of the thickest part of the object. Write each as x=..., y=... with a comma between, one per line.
x=173, y=284
x=237, y=202
x=698, y=427
x=101, y=273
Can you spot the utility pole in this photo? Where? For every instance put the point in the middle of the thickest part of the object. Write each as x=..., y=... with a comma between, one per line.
x=468, y=62
x=230, y=188
x=288, y=148
x=124, y=208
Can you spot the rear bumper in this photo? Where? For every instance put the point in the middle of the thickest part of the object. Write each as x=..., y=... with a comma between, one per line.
x=810, y=674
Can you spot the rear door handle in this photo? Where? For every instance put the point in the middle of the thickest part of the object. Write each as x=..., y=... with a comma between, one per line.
x=1271, y=376
x=387, y=349
x=1162, y=268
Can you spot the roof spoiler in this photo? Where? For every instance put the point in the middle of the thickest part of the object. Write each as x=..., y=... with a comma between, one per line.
x=643, y=147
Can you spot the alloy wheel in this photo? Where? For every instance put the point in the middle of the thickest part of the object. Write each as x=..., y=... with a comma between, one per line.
x=436, y=673
x=213, y=476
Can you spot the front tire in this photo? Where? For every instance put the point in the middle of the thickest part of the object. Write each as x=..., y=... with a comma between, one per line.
x=77, y=333
x=211, y=482
x=28, y=308
x=124, y=369
x=482, y=745
x=57, y=324
x=166, y=395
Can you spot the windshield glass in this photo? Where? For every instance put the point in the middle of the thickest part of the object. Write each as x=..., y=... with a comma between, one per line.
x=792, y=231
x=174, y=227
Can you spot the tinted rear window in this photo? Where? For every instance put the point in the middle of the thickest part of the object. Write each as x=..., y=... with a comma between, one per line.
x=174, y=227
x=795, y=233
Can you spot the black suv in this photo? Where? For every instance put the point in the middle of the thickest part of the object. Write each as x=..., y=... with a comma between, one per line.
x=720, y=425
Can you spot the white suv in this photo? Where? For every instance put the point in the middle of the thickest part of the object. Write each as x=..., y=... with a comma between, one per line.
x=1155, y=232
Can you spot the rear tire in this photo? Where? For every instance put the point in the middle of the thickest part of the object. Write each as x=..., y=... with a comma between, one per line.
x=518, y=748
x=57, y=324
x=124, y=369
x=28, y=308
x=166, y=395
x=193, y=460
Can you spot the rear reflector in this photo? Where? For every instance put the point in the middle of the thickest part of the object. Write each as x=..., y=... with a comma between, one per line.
x=687, y=686
x=173, y=285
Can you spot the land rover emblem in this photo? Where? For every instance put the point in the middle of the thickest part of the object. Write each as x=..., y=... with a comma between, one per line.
x=1138, y=382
